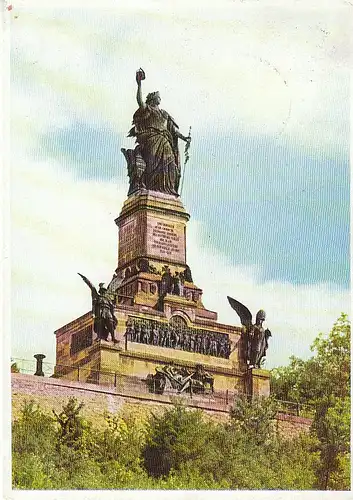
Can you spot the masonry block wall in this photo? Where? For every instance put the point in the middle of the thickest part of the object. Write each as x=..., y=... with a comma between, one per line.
x=52, y=393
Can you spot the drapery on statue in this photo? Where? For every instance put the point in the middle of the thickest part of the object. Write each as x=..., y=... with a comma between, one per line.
x=255, y=336
x=154, y=164
x=103, y=310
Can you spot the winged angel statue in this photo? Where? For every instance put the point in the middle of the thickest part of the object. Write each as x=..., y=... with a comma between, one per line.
x=103, y=309
x=255, y=336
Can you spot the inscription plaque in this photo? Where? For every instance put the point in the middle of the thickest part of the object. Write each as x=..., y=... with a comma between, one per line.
x=166, y=240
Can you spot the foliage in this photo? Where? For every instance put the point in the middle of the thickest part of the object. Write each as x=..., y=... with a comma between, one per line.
x=14, y=368
x=190, y=478
x=183, y=449
x=179, y=449
x=324, y=381
x=33, y=443
x=119, y=445
x=33, y=432
x=288, y=383
x=28, y=472
x=332, y=426
x=254, y=418
x=175, y=438
x=325, y=374
x=332, y=360
x=281, y=464
x=257, y=457
x=74, y=430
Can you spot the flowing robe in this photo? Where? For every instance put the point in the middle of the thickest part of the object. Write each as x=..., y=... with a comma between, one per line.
x=258, y=345
x=155, y=132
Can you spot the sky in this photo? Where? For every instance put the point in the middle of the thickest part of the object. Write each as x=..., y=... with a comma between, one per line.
x=265, y=87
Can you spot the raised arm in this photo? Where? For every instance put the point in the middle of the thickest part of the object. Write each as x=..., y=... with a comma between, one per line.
x=139, y=96
x=140, y=75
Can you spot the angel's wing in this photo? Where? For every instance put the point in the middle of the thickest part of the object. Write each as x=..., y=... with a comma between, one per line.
x=92, y=287
x=112, y=288
x=242, y=311
x=132, y=132
x=114, y=284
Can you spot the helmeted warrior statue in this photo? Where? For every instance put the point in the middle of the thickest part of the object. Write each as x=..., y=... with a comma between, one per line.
x=154, y=164
x=255, y=337
x=103, y=310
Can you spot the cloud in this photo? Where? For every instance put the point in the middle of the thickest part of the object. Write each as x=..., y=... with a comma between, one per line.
x=59, y=227
x=90, y=152
x=295, y=313
x=280, y=72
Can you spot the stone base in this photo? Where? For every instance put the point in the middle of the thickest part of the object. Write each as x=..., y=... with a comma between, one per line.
x=141, y=361
x=102, y=359
x=152, y=237
x=257, y=382
x=155, y=297
x=152, y=226
x=51, y=393
x=105, y=363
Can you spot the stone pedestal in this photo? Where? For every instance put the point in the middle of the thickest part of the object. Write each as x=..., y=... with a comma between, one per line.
x=152, y=250
x=152, y=236
x=257, y=382
x=152, y=226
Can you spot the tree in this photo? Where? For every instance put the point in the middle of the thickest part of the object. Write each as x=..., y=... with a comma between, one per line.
x=176, y=438
x=33, y=446
x=34, y=431
x=73, y=427
x=117, y=448
x=254, y=417
x=289, y=382
x=324, y=381
x=332, y=426
x=332, y=361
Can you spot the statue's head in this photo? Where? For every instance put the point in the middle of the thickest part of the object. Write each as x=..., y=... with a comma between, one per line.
x=260, y=316
x=153, y=98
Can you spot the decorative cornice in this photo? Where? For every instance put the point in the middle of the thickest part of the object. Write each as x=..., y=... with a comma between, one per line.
x=154, y=205
x=76, y=324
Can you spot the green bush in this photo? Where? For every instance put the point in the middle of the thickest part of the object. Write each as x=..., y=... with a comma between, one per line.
x=254, y=418
x=28, y=472
x=179, y=449
x=183, y=449
x=177, y=437
x=324, y=381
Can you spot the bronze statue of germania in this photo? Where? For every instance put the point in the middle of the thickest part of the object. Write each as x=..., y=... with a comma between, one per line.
x=154, y=164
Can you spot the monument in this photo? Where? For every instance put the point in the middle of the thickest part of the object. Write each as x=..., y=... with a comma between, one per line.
x=149, y=324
